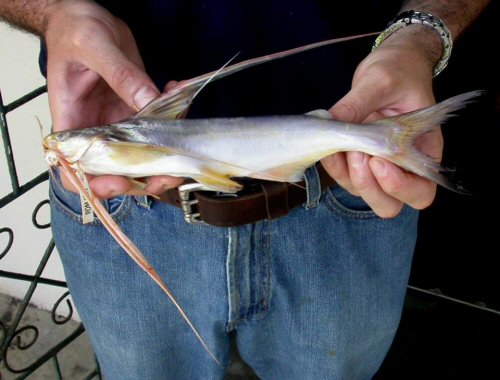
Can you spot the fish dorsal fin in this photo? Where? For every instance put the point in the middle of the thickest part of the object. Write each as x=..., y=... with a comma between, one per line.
x=175, y=103
x=320, y=114
x=172, y=105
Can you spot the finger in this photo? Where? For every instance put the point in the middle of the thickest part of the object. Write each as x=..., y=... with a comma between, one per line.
x=336, y=166
x=109, y=186
x=358, y=104
x=66, y=182
x=408, y=188
x=170, y=86
x=159, y=184
x=103, y=187
x=366, y=185
x=127, y=79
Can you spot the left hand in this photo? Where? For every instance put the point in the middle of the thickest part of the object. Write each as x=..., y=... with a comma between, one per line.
x=394, y=79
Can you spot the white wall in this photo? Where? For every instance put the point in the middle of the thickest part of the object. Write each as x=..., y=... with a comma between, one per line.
x=19, y=74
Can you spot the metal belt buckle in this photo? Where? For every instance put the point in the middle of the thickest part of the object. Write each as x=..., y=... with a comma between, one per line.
x=188, y=201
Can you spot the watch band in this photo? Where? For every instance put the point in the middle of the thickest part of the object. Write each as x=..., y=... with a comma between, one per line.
x=414, y=17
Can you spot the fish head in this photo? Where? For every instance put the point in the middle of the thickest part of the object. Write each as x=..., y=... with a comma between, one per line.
x=67, y=145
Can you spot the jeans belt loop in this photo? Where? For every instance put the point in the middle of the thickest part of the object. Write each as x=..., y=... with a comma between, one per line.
x=313, y=187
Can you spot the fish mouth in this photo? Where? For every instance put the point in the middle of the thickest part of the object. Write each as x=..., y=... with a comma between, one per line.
x=50, y=149
x=49, y=142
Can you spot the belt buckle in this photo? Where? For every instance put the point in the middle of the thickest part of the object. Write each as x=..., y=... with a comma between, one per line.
x=188, y=201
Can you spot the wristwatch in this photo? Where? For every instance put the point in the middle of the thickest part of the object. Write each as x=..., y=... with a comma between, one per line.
x=415, y=17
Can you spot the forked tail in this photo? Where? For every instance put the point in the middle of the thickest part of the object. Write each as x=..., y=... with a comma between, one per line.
x=416, y=123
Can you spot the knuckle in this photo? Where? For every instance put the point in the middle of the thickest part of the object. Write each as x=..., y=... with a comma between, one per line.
x=85, y=37
x=122, y=75
x=361, y=182
x=385, y=78
x=81, y=40
x=422, y=202
x=351, y=109
x=389, y=213
x=395, y=188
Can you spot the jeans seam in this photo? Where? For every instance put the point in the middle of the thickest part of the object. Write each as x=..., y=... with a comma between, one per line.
x=120, y=214
x=231, y=275
x=263, y=267
x=336, y=207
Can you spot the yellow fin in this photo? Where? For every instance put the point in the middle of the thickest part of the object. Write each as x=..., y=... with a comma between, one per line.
x=136, y=153
x=290, y=172
x=132, y=153
x=217, y=181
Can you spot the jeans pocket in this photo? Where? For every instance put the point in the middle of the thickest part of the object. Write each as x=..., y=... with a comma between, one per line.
x=340, y=201
x=69, y=203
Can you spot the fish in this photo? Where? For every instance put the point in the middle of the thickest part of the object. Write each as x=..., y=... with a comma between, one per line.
x=216, y=152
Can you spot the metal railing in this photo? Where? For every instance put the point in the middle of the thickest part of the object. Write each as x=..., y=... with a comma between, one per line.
x=14, y=334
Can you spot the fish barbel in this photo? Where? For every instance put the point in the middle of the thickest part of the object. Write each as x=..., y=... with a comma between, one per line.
x=215, y=152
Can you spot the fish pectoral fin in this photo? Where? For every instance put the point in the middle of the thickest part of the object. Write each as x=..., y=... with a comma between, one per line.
x=136, y=153
x=172, y=105
x=217, y=182
x=320, y=114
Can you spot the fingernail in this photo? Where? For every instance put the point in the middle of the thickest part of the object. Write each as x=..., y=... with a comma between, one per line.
x=357, y=159
x=144, y=96
x=379, y=168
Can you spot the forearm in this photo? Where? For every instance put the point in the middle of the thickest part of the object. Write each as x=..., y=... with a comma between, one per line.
x=27, y=14
x=456, y=14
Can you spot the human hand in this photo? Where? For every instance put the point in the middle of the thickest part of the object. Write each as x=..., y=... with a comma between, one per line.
x=96, y=76
x=395, y=78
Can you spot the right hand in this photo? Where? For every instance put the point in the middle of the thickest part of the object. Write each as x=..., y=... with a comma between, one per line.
x=95, y=76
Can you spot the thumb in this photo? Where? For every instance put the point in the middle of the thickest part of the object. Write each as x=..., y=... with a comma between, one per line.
x=357, y=105
x=128, y=80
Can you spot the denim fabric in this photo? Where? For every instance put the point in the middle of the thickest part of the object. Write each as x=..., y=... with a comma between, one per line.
x=316, y=294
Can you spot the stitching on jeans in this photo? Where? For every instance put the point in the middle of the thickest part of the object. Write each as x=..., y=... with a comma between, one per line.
x=268, y=266
x=257, y=311
x=235, y=276
x=121, y=212
x=335, y=206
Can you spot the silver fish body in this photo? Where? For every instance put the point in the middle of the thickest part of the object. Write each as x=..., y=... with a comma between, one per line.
x=280, y=148
x=276, y=147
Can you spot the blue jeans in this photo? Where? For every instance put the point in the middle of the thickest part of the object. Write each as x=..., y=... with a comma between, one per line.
x=316, y=294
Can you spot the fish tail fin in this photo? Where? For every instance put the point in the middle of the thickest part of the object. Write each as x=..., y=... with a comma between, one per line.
x=414, y=124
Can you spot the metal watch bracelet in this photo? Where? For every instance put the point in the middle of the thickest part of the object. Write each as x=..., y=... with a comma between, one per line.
x=414, y=17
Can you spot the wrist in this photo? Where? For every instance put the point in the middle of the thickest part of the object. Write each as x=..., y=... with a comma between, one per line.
x=31, y=16
x=418, y=42
x=426, y=32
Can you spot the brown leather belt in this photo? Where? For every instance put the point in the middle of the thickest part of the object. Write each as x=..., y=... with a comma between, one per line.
x=257, y=201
